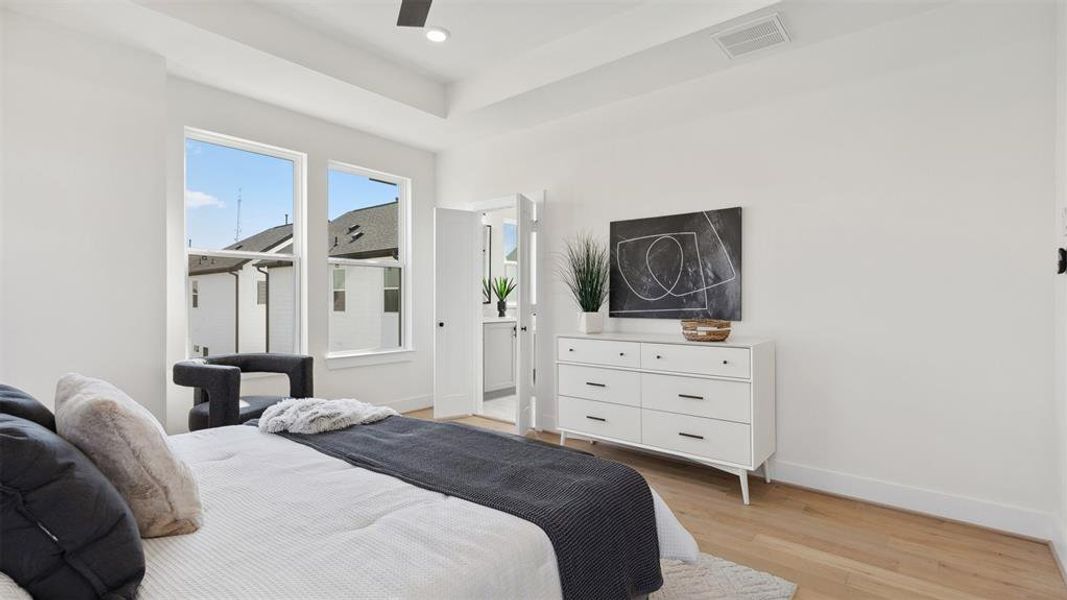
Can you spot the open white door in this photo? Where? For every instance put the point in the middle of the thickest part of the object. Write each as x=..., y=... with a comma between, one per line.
x=457, y=273
x=527, y=316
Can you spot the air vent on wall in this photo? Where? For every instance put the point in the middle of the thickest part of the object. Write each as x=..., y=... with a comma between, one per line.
x=752, y=36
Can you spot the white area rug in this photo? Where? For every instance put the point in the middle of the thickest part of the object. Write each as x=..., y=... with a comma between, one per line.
x=718, y=579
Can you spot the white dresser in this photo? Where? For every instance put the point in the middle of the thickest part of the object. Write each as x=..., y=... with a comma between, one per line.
x=712, y=403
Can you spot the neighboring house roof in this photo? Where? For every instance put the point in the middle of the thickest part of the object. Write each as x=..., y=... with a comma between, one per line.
x=362, y=233
x=365, y=232
x=263, y=241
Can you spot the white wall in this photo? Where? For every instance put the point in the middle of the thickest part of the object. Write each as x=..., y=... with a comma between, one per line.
x=1060, y=222
x=3, y=78
x=83, y=212
x=405, y=384
x=896, y=201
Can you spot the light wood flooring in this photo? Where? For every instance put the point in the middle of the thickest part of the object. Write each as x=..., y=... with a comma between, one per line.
x=835, y=547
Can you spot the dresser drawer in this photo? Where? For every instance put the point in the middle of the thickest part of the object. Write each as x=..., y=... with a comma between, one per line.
x=713, y=398
x=725, y=362
x=709, y=438
x=600, y=352
x=605, y=385
x=600, y=418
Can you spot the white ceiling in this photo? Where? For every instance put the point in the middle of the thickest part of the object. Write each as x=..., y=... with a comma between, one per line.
x=484, y=33
x=510, y=64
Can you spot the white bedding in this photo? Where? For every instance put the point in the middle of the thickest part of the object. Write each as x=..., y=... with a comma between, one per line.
x=285, y=521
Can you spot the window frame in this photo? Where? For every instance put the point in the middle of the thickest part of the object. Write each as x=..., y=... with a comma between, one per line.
x=402, y=262
x=298, y=251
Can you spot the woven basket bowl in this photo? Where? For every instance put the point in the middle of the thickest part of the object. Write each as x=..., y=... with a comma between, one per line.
x=705, y=330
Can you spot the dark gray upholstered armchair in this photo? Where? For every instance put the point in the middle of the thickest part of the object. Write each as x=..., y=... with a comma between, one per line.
x=217, y=382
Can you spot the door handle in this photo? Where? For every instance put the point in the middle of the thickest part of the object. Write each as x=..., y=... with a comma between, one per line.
x=690, y=396
x=595, y=384
x=596, y=418
x=691, y=435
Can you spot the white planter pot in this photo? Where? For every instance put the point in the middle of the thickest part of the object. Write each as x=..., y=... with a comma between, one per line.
x=590, y=322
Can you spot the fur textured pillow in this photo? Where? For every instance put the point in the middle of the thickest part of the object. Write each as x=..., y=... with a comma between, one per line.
x=130, y=447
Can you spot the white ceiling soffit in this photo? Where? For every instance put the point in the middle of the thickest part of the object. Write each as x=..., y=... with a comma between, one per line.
x=254, y=25
x=220, y=61
x=624, y=34
x=282, y=53
x=687, y=59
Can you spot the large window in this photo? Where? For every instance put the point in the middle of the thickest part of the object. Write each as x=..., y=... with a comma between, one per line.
x=243, y=205
x=367, y=258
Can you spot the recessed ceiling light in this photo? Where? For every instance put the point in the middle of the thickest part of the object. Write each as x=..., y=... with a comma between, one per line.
x=437, y=34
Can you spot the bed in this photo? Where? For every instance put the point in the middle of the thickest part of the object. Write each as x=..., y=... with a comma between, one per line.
x=283, y=520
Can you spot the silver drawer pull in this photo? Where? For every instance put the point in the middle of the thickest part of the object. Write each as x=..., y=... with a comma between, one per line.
x=595, y=384
x=690, y=396
x=691, y=435
x=592, y=418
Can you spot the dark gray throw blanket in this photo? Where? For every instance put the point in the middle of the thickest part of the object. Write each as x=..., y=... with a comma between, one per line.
x=598, y=514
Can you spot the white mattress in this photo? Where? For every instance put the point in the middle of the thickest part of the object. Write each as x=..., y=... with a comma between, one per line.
x=285, y=521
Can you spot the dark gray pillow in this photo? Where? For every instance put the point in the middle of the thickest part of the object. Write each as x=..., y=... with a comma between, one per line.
x=14, y=401
x=66, y=531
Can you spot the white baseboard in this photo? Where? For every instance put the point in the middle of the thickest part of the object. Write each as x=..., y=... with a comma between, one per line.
x=1002, y=517
x=1015, y=520
x=404, y=405
x=1058, y=544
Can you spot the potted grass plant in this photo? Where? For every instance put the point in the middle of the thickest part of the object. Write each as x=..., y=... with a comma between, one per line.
x=501, y=287
x=583, y=268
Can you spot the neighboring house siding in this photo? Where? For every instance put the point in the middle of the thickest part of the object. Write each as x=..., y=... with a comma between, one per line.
x=390, y=330
x=282, y=310
x=363, y=324
x=364, y=233
x=253, y=315
x=211, y=323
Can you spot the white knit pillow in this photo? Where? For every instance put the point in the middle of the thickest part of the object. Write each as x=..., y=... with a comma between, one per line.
x=130, y=447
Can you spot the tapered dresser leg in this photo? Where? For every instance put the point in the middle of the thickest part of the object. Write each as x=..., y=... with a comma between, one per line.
x=563, y=438
x=766, y=473
x=744, y=486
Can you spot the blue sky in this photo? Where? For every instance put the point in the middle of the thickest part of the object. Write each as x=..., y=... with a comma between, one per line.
x=214, y=174
x=349, y=192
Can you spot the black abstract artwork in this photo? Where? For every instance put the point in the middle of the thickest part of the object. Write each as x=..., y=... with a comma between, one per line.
x=677, y=267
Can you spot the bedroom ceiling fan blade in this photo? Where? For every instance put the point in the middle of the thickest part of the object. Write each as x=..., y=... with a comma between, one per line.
x=413, y=13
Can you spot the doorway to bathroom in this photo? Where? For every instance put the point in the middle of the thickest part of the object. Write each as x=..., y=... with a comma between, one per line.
x=485, y=299
x=500, y=290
